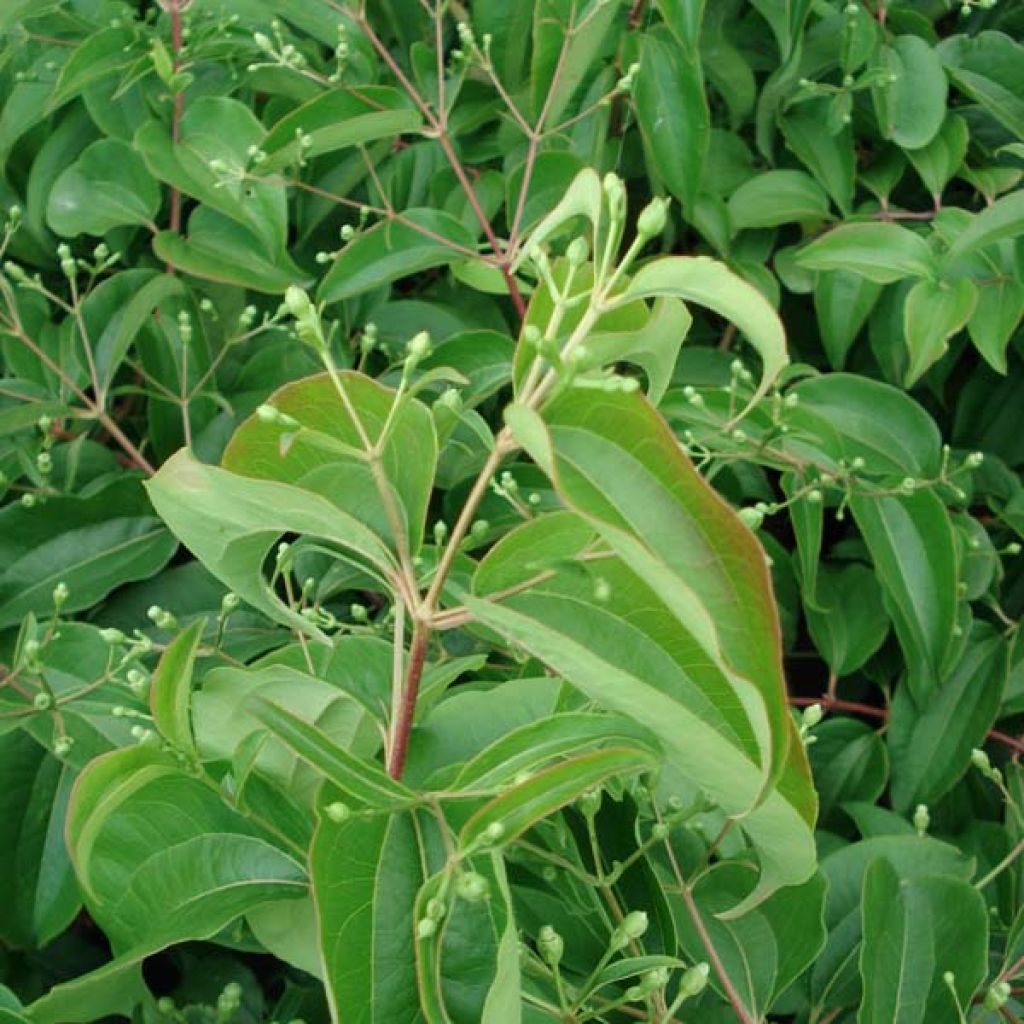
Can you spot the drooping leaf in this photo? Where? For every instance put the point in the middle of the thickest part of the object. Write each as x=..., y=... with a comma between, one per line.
x=777, y=197
x=881, y=252
x=934, y=312
x=911, y=105
x=170, y=694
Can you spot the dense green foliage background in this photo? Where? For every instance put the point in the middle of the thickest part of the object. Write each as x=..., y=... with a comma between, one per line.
x=442, y=686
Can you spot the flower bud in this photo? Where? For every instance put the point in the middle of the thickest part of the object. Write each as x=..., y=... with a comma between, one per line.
x=615, y=193
x=472, y=887
x=112, y=636
x=426, y=927
x=974, y=460
x=229, y=602
x=494, y=832
x=62, y=745
x=922, y=819
x=578, y=251
x=590, y=803
x=633, y=926
x=60, y=595
x=436, y=909
x=418, y=347
x=337, y=812
x=752, y=517
x=653, y=218
x=812, y=715
x=550, y=946
x=42, y=701
x=694, y=981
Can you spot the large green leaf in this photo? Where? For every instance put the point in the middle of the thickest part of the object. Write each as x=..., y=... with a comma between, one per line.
x=777, y=197
x=914, y=932
x=987, y=67
x=911, y=104
x=1003, y=219
x=881, y=252
x=912, y=545
x=337, y=119
x=37, y=886
x=672, y=112
x=931, y=746
x=326, y=453
x=107, y=186
x=151, y=877
x=842, y=301
x=92, y=544
x=686, y=653
x=709, y=283
x=934, y=312
x=231, y=522
x=422, y=239
x=366, y=873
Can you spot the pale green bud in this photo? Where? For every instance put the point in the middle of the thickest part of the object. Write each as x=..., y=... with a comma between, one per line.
x=578, y=251
x=337, y=812
x=550, y=946
x=752, y=517
x=922, y=819
x=653, y=218
x=633, y=926
x=42, y=701
x=60, y=595
x=472, y=887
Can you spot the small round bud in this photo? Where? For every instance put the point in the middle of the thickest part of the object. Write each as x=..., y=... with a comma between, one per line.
x=694, y=981
x=436, y=909
x=814, y=496
x=532, y=336
x=632, y=927
x=590, y=802
x=653, y=218
x=578, y=251
x=229, y=602
x=922, y=819
x=426, y=927
x=42, y=701
x=494, y=832
x=472, y=887
x=112, y=636
x=659, y=831
x=974, y=460
x=1013, y=548
x=981, y=761
x=602, y=591
x=812, y=716
x=751, y=517
x=60, y=595
x=418, y=347
x=29, y=500
x=550, y=946
x=62, y=745
x=479, y=529
x=337, y=812
x=908, y=485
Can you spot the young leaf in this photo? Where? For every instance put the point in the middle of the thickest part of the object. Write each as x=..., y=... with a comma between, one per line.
x=170, y=694
x=934, y=312
x=777, y=197
x=911, y=104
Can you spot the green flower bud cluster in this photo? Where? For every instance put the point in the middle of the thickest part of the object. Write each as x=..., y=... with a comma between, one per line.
x=161, y=618
x=632, y=927
x=981, y=761
x=308, y=326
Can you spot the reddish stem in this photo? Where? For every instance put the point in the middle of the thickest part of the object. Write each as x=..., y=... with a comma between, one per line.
x=410, y=693
x=869, y=710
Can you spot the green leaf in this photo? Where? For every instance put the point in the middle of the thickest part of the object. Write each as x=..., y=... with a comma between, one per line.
x=524, y=804
x=996, y=318
x=939, y=161
x=672, y=112
x=92, y=544
x=1003, y=219
x=106, y=187
x=914, y=932
x=777, y=197
x=231, y=522
x=422, y=239
x=170, y=694
x=151, y=879
x=336, y=120
x=934, y=312
x=914, y=551
x=843, y=301
x=326, y=455
x=911, y=105
x=987, y=68
x=674, y=642
x=366, y=873
x=37, y=885
x=847, y=620
x=560, y=735
x=218, y=249
x=850, y=764
x=98, y=57
x=931, y=745
x=829, y=157
x=359, y=779
x=216, y=128
x=843, y=416
x=709, y=283
x=881, y=252
x=116, y=988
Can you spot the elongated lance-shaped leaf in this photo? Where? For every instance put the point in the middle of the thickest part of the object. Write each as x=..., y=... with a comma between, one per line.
x=522, y=806
x=558, y=736
x=359, y=779
x=230, y=522
x=171, y=687
x=712, y=284
x=689, y=643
